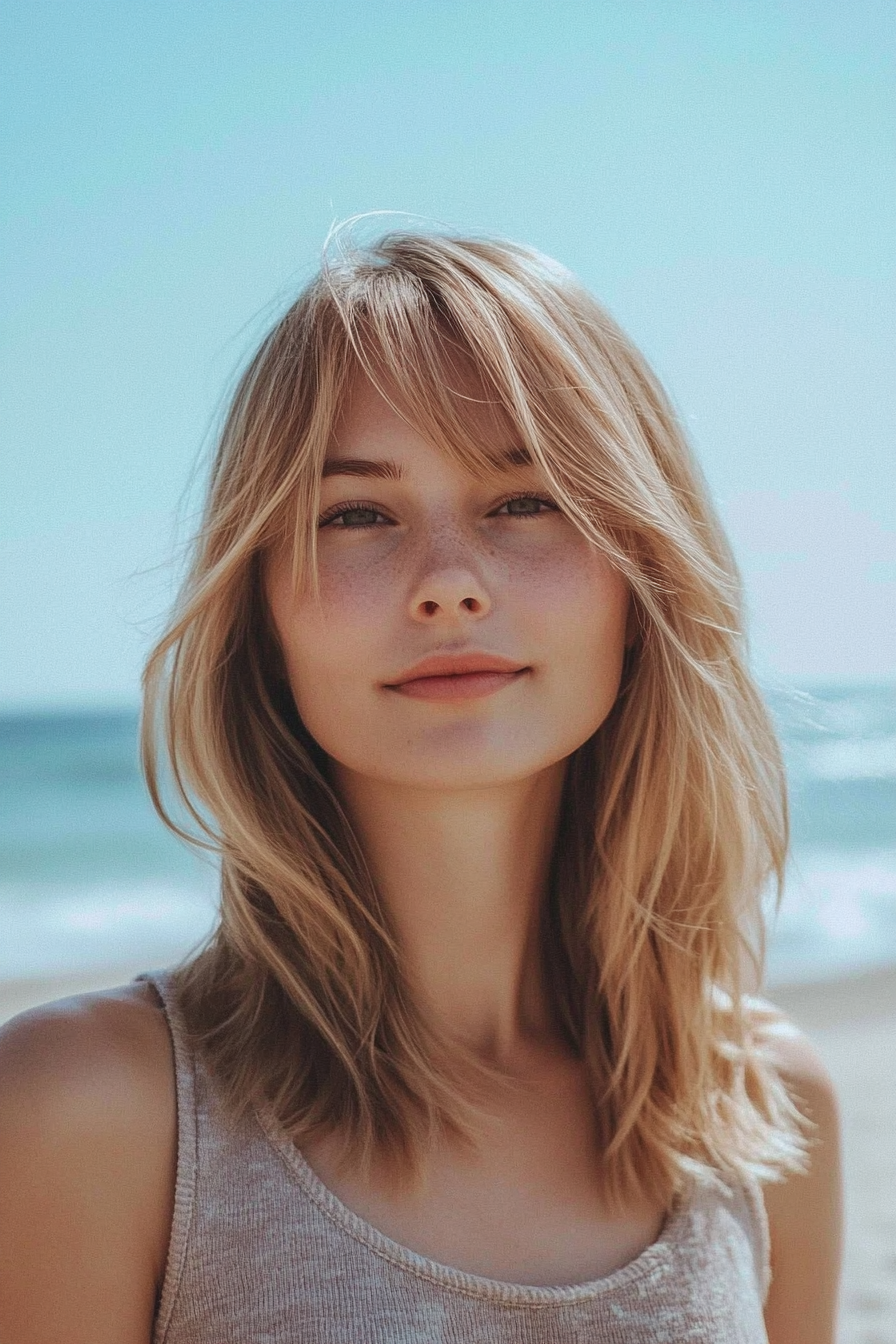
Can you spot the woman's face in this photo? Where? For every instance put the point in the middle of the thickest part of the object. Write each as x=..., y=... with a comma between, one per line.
x=420, y=561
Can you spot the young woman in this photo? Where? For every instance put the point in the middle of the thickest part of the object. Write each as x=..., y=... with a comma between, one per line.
x=456, y=686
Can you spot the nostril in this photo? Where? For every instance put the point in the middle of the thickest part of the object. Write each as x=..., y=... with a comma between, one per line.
x=471, y=604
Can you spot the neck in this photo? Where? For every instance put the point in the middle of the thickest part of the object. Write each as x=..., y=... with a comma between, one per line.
x=464, y=876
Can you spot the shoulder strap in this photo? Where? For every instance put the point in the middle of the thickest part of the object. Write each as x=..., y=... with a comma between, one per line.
x=187, y=1149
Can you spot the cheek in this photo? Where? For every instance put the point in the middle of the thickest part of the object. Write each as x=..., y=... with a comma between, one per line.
x=361, y=589
x=587, y=648
x=327, y=644
x=580, y=604
x=329, y=637
x=352, y=582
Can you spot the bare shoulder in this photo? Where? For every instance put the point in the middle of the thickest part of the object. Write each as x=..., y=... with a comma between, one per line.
x=88, y=1145
x=805, y=1211
x=793, y=1053
x=118, y=1032
x=97, y=1065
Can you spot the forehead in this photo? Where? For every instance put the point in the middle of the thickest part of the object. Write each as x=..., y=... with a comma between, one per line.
x=379, y=419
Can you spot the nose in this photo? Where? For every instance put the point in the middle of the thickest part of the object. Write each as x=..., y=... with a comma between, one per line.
x=449, y=594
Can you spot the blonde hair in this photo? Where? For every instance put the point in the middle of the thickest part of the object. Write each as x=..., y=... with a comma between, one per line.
x=674, y=814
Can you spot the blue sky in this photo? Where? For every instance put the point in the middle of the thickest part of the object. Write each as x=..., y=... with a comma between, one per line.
x=721, y=175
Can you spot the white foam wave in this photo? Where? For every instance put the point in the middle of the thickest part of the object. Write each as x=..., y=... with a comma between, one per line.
x=838, y=914
x=852, y=759
x=84, y=929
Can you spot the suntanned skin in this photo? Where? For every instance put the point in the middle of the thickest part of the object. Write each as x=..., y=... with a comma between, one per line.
x=456, y=807
x=88, y=1145
x=87, y=1170
x=806, y=1212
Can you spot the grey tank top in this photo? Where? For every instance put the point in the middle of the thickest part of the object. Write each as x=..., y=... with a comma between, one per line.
x=262, y=1252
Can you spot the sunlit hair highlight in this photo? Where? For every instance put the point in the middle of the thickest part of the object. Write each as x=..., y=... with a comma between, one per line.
x=674, y=813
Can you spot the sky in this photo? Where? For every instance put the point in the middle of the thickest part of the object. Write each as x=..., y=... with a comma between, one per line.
x=722, y=176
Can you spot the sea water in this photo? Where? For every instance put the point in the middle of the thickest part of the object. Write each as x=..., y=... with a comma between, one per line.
x=90, y=878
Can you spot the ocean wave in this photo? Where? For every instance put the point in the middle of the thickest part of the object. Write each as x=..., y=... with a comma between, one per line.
x=851, y=759
x=837, y=915
x=50, y=932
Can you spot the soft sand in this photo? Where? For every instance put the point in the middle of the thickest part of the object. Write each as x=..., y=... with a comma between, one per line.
x=853, y=1022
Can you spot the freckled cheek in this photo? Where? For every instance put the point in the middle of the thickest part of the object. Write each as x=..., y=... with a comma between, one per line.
x=574, y=593
x=333, y=638
x=358, y=597
x=585, y=606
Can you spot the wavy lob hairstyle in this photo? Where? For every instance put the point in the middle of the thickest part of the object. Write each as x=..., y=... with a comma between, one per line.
x=674, y=813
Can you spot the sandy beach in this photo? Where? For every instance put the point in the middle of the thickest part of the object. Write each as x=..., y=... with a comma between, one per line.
x=853, y=1022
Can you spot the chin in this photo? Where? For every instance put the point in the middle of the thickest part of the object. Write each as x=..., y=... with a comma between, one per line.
x=457, y=756
x=457, y=771
x=469, y=776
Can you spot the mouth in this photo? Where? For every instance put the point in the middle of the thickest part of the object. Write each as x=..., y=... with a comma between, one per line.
x=458, y=677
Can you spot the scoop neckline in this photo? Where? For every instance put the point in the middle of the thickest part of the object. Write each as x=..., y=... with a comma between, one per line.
x=655, y=1258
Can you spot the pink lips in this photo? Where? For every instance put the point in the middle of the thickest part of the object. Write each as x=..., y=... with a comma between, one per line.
x=457, y=677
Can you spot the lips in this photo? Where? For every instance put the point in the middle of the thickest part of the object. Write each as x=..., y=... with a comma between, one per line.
x=457, y=676
x=456, y=665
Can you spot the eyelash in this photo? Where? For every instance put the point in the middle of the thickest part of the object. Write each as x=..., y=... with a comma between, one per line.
x=339, y=509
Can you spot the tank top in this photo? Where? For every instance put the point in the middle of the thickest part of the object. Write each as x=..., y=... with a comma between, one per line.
x=262, y=1252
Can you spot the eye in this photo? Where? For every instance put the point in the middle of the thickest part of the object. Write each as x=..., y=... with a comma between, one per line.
x=524, y=506
x=354, y=516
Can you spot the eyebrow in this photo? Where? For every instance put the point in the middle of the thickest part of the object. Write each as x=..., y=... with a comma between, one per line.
x=385, y=469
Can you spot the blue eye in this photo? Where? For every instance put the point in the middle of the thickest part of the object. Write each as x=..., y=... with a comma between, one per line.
x=353, y=516
x=526, y=506
x=358, y=516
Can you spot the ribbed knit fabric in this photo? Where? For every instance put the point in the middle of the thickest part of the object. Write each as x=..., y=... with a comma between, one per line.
x=261, y=1251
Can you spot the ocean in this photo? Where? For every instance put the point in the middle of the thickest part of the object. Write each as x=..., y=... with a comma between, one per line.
x=89, y=877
